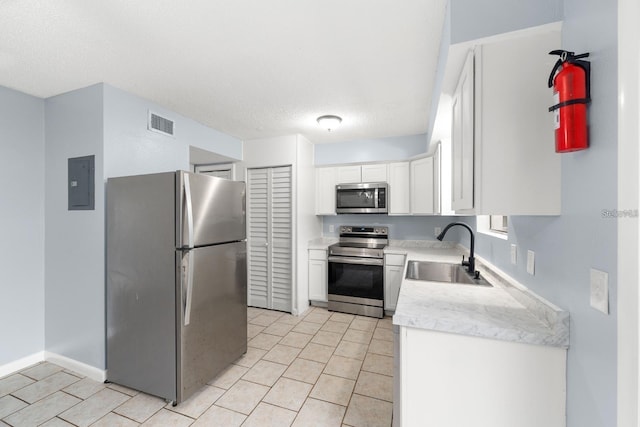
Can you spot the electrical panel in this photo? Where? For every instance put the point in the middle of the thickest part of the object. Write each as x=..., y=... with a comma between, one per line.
x=81, y=183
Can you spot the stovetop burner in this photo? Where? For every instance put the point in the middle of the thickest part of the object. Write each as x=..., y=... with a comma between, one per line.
x=361, y=241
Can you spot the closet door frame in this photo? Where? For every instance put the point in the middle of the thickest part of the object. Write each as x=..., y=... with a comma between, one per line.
x=253, y=247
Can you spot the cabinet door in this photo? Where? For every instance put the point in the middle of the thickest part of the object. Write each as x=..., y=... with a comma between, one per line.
x=462, y=142
x=326, y=191
x=318, y=280
x=348, y=174
x=422, y=186
x=374, y=173
x=399, y=188
x=392, y=280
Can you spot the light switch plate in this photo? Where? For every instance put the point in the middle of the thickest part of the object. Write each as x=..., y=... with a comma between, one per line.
x=514, y=254
x=531, y=262
x=331, y=228
x=600, y=290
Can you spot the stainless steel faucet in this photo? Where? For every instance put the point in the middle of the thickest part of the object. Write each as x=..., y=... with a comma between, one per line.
x=471, y=262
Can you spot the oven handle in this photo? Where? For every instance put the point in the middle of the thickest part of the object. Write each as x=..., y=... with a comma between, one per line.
x=351, y=260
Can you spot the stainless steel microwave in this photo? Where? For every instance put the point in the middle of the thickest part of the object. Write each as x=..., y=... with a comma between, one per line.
x=364, y=198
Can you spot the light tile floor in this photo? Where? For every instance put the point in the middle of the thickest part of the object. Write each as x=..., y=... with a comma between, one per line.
x=320, y=369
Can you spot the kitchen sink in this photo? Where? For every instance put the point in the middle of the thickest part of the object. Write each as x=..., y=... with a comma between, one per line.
x=442, y=272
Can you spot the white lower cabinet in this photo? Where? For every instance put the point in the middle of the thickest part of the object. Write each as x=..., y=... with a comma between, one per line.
x=452, y=380
x=317, y=275
x=393, y=270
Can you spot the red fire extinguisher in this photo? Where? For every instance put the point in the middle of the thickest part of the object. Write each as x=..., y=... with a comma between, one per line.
x=571, y=94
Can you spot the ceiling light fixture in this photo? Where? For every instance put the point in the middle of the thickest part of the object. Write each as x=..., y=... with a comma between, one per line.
x=329, y=122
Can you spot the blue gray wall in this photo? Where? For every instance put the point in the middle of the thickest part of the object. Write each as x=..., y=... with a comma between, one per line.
x=22, y=221
x=569, y=245
x=475, y=19
x=112, y=125
x=370, y=150
x=74, y=249
x=130, y=148
x=400, y=227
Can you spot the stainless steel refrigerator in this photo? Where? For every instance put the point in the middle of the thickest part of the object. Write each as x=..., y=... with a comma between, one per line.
x=176, y=281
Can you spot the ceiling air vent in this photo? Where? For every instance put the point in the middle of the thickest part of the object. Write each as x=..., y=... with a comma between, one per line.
x=160, y=124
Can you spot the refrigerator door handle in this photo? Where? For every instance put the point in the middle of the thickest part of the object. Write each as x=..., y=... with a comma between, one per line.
x=187, y=280
x=189, y=210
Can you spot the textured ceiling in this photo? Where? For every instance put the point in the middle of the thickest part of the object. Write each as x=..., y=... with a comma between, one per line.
x=249, y=68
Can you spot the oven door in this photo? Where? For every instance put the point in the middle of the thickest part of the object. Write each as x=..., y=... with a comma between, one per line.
x=356, y=279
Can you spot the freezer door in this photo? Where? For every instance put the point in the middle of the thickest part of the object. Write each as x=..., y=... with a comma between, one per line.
x=212, y=313
x=210, y=210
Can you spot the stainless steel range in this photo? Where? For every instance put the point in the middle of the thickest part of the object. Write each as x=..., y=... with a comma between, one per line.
x=356, y=270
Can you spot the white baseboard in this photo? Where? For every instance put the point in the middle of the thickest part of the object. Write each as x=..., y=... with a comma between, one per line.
x=89, y=371
x=20, y=364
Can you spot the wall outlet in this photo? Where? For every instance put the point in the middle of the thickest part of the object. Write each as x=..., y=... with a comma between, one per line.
x=437, y=231
x=531, y=262
x=331, y=228
x=600, y=290
x=514, y=254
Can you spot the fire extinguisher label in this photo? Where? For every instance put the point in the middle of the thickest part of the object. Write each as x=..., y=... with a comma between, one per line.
x=556, y=112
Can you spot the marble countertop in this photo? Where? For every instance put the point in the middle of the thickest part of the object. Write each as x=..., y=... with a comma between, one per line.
x=507, y=311
x=322, y=243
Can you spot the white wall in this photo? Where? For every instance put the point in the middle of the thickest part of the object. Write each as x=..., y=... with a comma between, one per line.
x=22, y=224
x=297, y=151
x=309, y=225
x=628, y=198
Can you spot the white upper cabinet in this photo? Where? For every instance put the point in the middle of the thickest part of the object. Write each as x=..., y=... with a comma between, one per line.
x=374, y=173
x=326, y=191
x=399, y=197
x=503, y=155
x=348, y=174
x=425, y=185
x=462, y=139
x=361, y=173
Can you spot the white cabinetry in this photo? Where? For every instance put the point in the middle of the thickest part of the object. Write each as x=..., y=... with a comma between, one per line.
x=462, y=139
x=325, y=191
x=425, y=185
x=348, y=174
x=374, y=173
x=318, y=275
x=450, y=380
x=393, y=270
x=361, y=173
x=399, y=182
x=504, y=161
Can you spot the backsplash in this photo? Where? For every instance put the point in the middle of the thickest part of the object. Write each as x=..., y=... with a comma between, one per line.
x=400, y=227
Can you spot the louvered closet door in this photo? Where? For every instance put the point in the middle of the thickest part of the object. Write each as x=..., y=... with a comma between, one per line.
x=270, y=237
